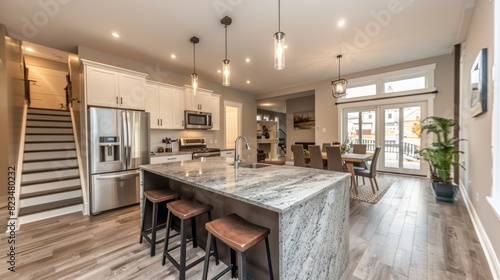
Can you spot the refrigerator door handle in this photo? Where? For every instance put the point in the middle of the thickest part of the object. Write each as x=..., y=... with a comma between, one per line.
x=126, y=137
x=121, y=176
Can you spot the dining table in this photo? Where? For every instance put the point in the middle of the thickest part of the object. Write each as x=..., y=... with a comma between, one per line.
x=350, y=159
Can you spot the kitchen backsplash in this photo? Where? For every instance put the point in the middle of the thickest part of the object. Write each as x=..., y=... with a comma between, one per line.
x=156, y=136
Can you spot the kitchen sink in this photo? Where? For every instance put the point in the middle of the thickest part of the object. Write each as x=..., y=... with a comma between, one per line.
x=254, y=165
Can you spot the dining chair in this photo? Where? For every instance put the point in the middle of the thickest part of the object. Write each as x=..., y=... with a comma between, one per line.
x=298, y=155
x=323, y=147
x=334, y=159
x=359, y=149
x=316, y=157
x=370, y=172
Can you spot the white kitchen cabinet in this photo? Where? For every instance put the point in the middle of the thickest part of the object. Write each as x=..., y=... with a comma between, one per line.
x=199, y=101
x=215, y=110
x=111, y=86
x=165, y=105
x=227, y=153
x=163, y=159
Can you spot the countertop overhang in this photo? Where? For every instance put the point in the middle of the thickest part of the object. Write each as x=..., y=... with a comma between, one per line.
x=278, y=188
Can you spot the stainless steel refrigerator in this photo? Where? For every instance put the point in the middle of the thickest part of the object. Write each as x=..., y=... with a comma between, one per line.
x=118, y=144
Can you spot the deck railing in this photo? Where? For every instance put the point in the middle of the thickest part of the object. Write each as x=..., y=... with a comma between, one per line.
x=391, y=146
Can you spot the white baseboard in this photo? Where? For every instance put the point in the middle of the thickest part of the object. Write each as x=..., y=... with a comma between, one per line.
x=491, y=256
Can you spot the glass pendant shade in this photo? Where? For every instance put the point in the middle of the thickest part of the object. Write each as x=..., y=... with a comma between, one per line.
x=279, y=50
x=226, y=72
x=339, y=88
x=194, y=81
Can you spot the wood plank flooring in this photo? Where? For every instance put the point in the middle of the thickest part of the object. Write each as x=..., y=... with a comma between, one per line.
x=406, y=235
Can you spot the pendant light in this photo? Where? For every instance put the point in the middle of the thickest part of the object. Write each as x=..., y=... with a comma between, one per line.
x=194, y=76
x=226, y=66
x=339, y=86
x=279, y=44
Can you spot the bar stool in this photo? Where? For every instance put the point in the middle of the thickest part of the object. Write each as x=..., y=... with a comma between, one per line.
x=186, y=210
x=240, y=235
x=155, y=196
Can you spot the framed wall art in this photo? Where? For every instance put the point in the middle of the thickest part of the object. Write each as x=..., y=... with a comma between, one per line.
x=303, y=120
x=479, y=84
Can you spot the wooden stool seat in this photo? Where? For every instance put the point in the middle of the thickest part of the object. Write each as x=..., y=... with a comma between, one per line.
x=154, y=196
x=186, y=209
x=240, y=235
x=236, y=232
x=161, y=195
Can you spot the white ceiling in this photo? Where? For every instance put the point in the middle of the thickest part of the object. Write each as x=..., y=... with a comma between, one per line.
x=377, y=33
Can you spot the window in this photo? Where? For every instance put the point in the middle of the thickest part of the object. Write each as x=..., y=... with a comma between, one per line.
x=404, y=85
x=361, y=91
x=419, y=78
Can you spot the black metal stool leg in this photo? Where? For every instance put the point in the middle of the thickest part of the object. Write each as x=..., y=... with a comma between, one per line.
x=167, y=236
x=233, y=263
x=207, y=256
x=182, y=270
x=143, y=224
x=271, y=276
x=153, y=229
x=216, y=252
x=242, y=265
x=193, y=232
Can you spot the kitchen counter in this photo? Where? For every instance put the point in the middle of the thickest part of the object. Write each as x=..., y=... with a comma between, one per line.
x=306, y=209
x=155, y=154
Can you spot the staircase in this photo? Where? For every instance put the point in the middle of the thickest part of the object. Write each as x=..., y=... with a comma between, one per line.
x=50, y=184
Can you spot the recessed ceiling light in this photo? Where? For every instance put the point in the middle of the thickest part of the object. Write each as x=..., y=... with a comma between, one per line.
x=219, y=71
x=173, y=56
x=247, y=60
x=248, y=81
x=341, y=23
x=29, y=49
x=116, y=35
x=286, y=46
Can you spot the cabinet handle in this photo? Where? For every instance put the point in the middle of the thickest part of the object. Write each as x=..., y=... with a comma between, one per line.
x=121, y=100
x=157, y=121
x=117, y=100
x=161, y=122
x=182, y=123
x=172, y=158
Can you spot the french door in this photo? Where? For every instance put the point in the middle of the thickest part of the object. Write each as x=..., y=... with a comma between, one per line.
x=395, y=128
x=400, y=137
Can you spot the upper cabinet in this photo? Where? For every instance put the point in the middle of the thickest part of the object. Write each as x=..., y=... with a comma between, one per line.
x=111, y=86
x=215, y=110
x=199, y=101
x=165, y=104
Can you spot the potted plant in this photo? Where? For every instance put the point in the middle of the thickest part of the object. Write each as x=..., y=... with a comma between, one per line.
x=442, y=155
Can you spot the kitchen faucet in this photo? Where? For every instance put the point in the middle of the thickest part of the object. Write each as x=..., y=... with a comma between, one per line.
x=236, y=155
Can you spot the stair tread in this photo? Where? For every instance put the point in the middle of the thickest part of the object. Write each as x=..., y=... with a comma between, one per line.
x=48, y=192
x=49, y=169
x=48, y=159
x=55, y=150
x=50, y=206
x=48, y=142
x=44, y=181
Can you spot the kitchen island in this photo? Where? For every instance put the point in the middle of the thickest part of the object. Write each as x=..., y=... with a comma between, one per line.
x=306, y=209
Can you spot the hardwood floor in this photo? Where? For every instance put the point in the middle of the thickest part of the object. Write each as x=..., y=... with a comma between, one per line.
x=406, y=235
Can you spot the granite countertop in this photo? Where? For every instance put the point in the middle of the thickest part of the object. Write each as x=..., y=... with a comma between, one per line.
x=155, y=154
x=274, y=187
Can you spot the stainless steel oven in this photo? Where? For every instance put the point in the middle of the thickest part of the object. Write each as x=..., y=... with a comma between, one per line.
x=198, y=147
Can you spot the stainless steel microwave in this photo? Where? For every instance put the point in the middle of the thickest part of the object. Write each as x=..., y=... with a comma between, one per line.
x=197, y=120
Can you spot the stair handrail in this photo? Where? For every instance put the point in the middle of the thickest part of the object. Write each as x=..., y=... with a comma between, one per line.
x=86, y=209
x=19, y=167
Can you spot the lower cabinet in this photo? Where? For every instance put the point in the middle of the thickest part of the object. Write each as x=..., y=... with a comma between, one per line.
x=163, y=159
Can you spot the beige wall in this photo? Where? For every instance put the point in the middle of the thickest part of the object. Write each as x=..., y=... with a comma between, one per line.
x=477, y=179
x=11, y=108
x=296, y=105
